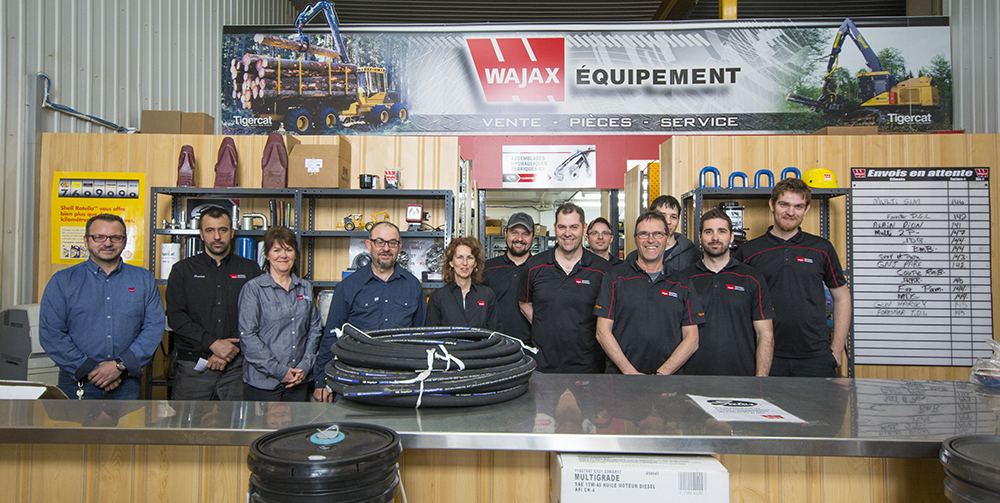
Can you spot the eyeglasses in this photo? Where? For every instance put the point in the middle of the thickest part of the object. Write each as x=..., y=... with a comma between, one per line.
x=647, y=235
x=379, y=243
x=100, y=238
x=603, y=234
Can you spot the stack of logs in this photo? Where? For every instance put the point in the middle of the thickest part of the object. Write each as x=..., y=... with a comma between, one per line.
x=256, y=76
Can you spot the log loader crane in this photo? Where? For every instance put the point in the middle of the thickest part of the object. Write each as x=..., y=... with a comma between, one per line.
x=878, y=90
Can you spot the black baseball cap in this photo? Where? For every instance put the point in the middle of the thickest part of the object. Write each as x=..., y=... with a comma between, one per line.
x=521, y=218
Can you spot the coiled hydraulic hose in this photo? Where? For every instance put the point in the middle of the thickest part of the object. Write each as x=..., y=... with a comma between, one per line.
x=433, y=367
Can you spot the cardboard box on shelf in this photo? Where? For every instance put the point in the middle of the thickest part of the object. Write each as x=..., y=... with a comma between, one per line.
x=494, y=230
x=175, y=122
x=599, y=478
x=541, y=230
x=846, y=130
x=494, y=222
x=317, y=166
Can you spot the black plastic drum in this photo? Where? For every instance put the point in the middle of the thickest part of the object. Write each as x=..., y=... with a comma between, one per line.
x=302, y=465
x=972, y=464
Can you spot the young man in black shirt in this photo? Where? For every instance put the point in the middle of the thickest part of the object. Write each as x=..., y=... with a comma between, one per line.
x=737, y=337
x=557, y=296
x=202, y=310
x=796, y=265
x=647, y=316
x=503, y=274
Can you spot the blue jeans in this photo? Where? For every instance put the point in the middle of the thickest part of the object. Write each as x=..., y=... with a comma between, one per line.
x=127, y=390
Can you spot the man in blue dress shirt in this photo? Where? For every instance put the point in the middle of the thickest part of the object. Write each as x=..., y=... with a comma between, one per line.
x=379, y=295
x=101, y=320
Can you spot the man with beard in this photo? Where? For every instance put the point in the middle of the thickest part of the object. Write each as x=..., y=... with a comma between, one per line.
x=647, y=316
x=203, y=295
x=377, y=296
x=101, y=320
x=736, y=338
x=796, y=265
x=557, y=296
x=503, y=274
x=679, y=251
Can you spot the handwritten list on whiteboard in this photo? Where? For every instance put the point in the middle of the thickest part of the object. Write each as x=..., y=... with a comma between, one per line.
x=921, y=265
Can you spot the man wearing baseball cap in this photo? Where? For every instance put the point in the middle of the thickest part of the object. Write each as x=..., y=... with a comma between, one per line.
x=503, y=274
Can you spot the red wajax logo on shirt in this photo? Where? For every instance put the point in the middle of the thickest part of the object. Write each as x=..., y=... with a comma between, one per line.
x=482, y=303
x=131, y=290
x=582, y=281
x=736, y=288
x=668, y=293
x=301, y=297
x=805, y=260
x=237, y=276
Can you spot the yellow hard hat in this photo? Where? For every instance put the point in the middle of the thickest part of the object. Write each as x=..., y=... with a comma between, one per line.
x=820, y=178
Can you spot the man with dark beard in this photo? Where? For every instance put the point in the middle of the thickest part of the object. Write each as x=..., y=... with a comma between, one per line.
x=736, y=338
x=503, y=274
x=796, y=265
x=202, y=297
x=377, y=296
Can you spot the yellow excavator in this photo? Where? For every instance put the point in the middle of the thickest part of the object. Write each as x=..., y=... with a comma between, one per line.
x=877, y=88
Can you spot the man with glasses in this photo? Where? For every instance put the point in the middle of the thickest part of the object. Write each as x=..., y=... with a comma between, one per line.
x=377, y=296
x=101, y=320
x=599, y=238
x=557, y=295
x=503, y=274
x=647, y=317
x=202, y=297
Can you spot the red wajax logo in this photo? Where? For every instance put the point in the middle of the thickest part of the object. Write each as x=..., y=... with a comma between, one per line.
x=860, y=172
x=982, y=172
x=520, y=69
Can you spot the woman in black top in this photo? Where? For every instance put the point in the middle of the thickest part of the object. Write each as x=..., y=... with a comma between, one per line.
x=463, y=301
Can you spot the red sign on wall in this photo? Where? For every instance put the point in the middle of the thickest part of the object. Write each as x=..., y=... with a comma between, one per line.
x=520, y=69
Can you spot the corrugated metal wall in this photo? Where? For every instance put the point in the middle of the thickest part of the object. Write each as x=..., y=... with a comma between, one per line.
x=110, y=59
x=975, y=49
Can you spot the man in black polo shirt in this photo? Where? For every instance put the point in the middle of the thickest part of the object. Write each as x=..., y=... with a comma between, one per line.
x=599, y=239
x=647, y=316
x=202, y=298
x=736, y=338
x=557, y=296
x=796, y=265
x=503, y=274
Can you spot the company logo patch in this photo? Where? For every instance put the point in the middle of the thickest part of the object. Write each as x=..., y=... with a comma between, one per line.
x=237, y=276
x=668, y=293
x=482, y=303
x=199, y=276
x=982, y=172
x=301, y=297
x=583, y=281
x=860, y=172
x=131, y=290
x=805, y=260
x=736, y=288
x=520, y=69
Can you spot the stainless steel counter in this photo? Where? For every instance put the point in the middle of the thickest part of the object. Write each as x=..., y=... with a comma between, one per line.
x=567, y=413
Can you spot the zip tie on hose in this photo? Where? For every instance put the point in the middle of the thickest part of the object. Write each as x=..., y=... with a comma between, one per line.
x=533, y=349
x=454, y=366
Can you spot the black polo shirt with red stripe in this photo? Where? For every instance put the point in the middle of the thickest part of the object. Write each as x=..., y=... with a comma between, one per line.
x=733, y=299
x=796, y=270
x=503, y=276
x=563, y=325
x=647, y=315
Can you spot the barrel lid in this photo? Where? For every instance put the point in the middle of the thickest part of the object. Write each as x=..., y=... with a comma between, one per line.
x=295, y=451
x=974, y=458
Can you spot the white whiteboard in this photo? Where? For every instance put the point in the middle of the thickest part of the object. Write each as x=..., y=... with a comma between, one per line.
x=921, y=266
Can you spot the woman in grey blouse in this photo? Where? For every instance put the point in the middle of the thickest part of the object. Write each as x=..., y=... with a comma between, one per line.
x=279, y=325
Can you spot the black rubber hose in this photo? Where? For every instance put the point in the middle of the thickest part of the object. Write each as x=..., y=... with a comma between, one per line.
x=469, y=366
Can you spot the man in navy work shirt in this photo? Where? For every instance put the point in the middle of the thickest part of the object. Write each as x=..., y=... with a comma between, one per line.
x=503, y=274
x=796, y=265
x=679, y=252
x=647, y=317
x=379, y=295
x=101, y=320
x=203, y=295
x=557, y=296
x=736, y=338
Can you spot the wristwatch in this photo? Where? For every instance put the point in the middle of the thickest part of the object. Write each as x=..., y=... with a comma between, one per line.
x=120, y=365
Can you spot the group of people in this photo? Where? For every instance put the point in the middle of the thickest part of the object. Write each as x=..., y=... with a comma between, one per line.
x=245, y=334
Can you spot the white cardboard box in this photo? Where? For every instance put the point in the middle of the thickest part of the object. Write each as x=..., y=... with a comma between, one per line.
x=608, y=478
